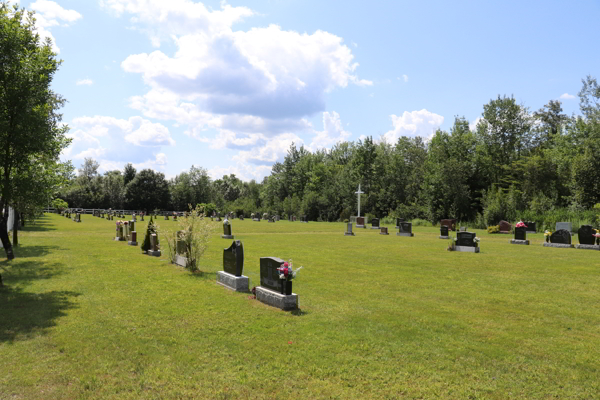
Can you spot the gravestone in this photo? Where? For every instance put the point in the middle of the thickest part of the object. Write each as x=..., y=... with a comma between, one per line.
x=564, y=226
x=505, y=227
x=450, y=223
x=360, y=222
x=383, y=230
x=375, y=223
x=587, y=238
x=463, y=229
x=119, y=230
x=465, y=242
x=241, y=217
x=133, y=241
x=227, y=230
x=560, y=238
x=398, y=222
x=531, y=226
x=520, y=236
x=78, y=217
x=272, y=290
x=277, y=218
x=293, y=218
x=272, y=219
x=305, y=219
x=166, y=217
x=349, y=230
x=154, y=251
x=405, y=229
x=290, y=218
x=233, y=266
x=444, y=232
x=181, y=256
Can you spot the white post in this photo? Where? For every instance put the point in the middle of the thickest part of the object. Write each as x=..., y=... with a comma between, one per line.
x=359, y=193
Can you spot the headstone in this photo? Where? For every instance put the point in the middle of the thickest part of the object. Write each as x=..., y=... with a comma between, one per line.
x=154, y=251
x=463, y=228
x=241, y=217
x=444, y=232
x=142, y=217
x=405, y=229
x=305, y=219
x=398, y=222
x=564, y=226
x=293, y=218
x=272, y=290
x=181, y=256
x=561, y=236
x=450, y=223
x=166, y=217
x=133, y=241
x=586, y=235
x=465, y=242
x=349, y=230
x=375, y=223
x=360, y=222
x=383, y=230
x=233, y=267
x=227, y=230
x=520, y=236
x=531, y=226
x=505, y=227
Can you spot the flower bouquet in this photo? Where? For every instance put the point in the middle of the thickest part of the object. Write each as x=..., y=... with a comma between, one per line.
x=476, y=241
x=520, y=224
x=286, y=275
x=547, y=234
x=597, y=236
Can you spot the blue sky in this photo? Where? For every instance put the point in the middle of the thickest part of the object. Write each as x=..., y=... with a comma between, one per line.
x=228, y=86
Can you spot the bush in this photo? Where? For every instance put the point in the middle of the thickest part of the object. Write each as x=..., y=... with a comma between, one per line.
x=493, y=229
x=345, y=221
x=420, y=222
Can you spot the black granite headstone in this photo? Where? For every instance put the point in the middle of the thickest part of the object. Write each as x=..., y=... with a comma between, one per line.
x=226, y=228
x=586, y=234
x=521, y=233
x=406, y=227
x=443, y=230
x=561, y=236
x=465, y=239
x=531, y=227
x=375, y=223
x=233, y=258
x=269, y=276
x=399, y=221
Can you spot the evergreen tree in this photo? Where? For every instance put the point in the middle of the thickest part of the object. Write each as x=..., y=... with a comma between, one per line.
x=149, y=231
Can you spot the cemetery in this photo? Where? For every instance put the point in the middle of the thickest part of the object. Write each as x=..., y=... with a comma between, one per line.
x=111, y=310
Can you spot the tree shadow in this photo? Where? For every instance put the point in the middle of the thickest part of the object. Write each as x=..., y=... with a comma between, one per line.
x=299, y=312
x=33, y=251
x=26, y=271
x=40, y=224
x=26, y=315
x=203, y=275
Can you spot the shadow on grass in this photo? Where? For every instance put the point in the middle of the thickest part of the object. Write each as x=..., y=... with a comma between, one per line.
x=204, y=275
x=25, y=315
x=298, y=312
x=33, y=251
x=26, y=271
x=41, y=224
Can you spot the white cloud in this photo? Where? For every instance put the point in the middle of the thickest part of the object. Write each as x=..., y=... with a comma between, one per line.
x=274, y=150
x=416, y=123
x=135, y=130
x=567, y=96
x=91, y=153
x=159, y=163
x=332, y=133
x=150, y=134
x=403, y=78
x=473, y=125
x=49, y=14
x=85, y=82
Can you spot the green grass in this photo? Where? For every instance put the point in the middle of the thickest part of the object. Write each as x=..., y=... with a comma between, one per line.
x=83, y=316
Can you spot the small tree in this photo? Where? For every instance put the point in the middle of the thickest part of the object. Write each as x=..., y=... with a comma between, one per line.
x=195, y=231
x=152, y=228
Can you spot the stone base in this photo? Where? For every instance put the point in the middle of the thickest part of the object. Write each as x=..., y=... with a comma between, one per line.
x=132, y=243
x=227, y=236
x=467, y=249
x=587, y=246
x=518, y=241
x=180, y=260
x=360, y=226
x=118, y=239
x=236, y=283
x=257, y=220
x=559, y=245
x=444, y=237
x=405, y=234
x=275, y=299
x=532, y=232
x=375, y=227
x=153, y=253
x=384, y=233
x=348, y=233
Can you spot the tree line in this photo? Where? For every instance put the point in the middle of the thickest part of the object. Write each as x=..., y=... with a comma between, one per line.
x=512, y=162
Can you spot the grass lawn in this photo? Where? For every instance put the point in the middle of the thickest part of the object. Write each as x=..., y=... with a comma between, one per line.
x=83, y=316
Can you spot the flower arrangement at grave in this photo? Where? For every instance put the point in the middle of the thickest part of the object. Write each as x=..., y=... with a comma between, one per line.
x=520, y=224
x=547, y=234
x=597, y=236
x=149, y=231
x=252, y=215
x=476, y=241
x=286, y=271
x=119, y=225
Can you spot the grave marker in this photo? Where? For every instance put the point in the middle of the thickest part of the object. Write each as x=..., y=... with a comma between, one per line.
x=444, y=232
x=465, y=241
x=272, y=289
x=405, y=229
x=375, y=223
x=349, y=230
x=233, y=266
x=586, y=238
x=520, y=236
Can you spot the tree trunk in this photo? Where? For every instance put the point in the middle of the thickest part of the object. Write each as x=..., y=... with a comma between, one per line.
x=4, y=236
x=15, y=230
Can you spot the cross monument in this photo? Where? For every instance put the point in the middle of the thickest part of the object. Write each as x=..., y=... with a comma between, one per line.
x=359, y=193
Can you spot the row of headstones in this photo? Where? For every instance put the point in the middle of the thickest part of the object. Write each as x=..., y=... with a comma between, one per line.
x=274, y=290
x=588, y=238
x=76, y=217
x=404, y=228
x=126, y=232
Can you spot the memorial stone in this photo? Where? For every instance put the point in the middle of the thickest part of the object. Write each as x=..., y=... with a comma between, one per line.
x=465, y=242
x=133, y=241
x=349, y=230
x=405, y=229
x=154, y=251
x=564, y=226
x=561, y=236
x=398, y=222
x=383, y=230
x=360, y=222
x=450, y=223
x=227, y=230
x=531, y=226
x=233, y=266
x=444, y=232
x=269, y=275
x=505, y=227
x=375, y=223
x=587, y=238
x=520, y=236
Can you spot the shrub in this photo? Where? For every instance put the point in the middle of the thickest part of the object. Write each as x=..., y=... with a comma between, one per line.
x=152, y=228
x=420, y=222
x=345, y=221
x=493, y=229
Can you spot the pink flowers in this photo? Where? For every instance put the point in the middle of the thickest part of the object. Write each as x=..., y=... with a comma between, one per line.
x=521, y=224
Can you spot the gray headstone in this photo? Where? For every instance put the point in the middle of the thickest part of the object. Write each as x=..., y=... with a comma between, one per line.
x=564, y=225
x=269, y=276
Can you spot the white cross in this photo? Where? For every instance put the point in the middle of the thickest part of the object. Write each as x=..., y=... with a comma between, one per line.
x=359, y=193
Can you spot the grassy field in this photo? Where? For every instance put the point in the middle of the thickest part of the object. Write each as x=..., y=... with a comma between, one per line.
x=83, y=316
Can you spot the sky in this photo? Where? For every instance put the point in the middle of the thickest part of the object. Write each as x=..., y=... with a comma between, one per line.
x=229, y=86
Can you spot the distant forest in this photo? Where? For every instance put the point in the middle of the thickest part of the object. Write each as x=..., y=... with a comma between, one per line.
x=514, y=163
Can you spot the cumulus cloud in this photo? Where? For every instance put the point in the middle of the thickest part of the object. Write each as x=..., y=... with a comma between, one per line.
x=567, y=96
x=49, y=14
x=85, y=82
x=135, y=130
x=473, y=125
x=332, y=133
x=158, y=163
x=416, y=123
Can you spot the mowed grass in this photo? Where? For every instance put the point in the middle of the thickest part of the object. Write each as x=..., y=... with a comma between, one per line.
x=83, y=316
